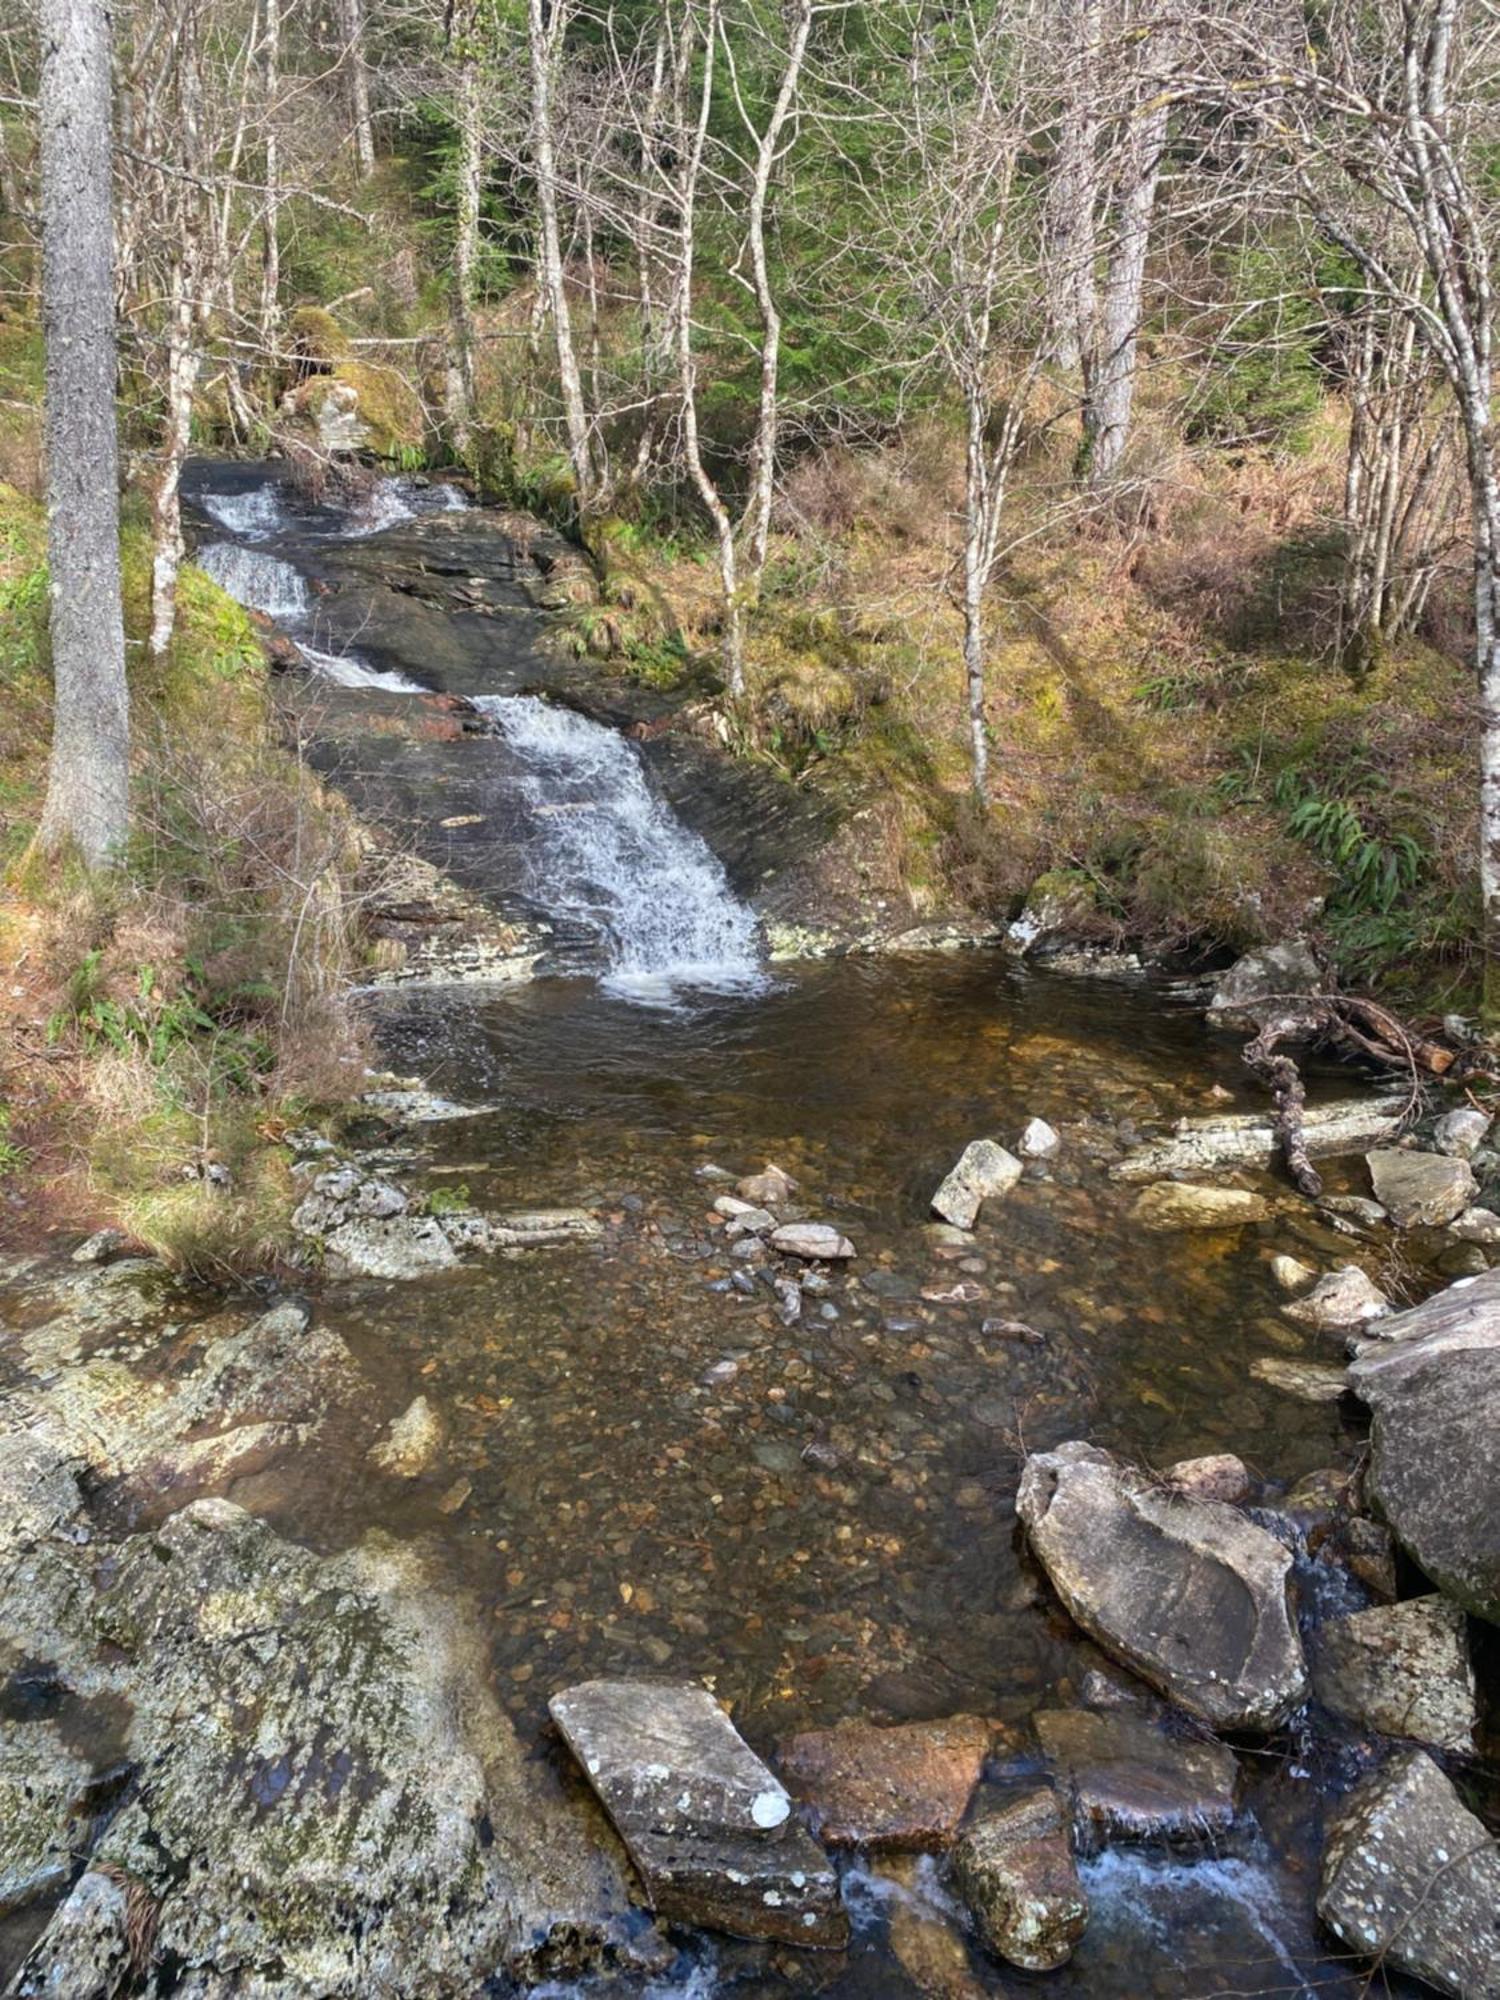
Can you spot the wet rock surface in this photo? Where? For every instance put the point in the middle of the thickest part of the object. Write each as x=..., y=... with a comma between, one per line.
x=1432, y=1381
x=1014, y=1869
x=707, y=1824
x=903, y=1787
x=1342, y=1298
x=984, y=1171
x=1421, y=1190
x=1412, y=1878
x=1126, y=1777
x=1189, y=1593
x=1401, y=1669
x=1171, y=1205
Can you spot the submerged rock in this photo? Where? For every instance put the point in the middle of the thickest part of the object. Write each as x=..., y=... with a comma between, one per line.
x=1015, y=1870
x=906, y=1786
x=770, y=1188
x=1253, y=985
x=1171, y=1205
x=1126, y=1778
x=984, y=1172
x=707, y=1824
x=1291, y=1276
x=1402, y=1669
x=1411, y=1878
x=1343, y=1298
x=1420, y=1190
x=1432, y=1381
x=1187, y=1592
x=411, y=1443
x=1038, y=1141
x=817, y=1242
x=405, y=1246
x=1308, y=1381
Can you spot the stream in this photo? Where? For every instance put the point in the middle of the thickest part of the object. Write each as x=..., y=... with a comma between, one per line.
x=660, y=1468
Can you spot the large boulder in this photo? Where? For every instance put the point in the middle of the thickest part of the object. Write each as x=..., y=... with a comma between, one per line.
x=1420, y=1190
x=1261, y=981
x=1402, y=1669
x=1412, y=1879
x=707, y=1824
x=1015, y=1870
x=984, y=1172
x=903, y=1787
x=1432, y=1381
x=1187, y=1592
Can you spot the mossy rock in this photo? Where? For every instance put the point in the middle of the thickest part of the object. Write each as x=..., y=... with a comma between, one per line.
x=316, y=338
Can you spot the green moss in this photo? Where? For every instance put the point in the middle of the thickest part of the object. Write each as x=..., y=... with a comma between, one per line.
x=315, y=337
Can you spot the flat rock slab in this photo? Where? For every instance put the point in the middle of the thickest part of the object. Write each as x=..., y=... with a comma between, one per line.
x=1420, y=1190
x=813, y=1242
x=1401, y=1669
x=1344, y=1298
x=1187, y=1592
x=903, y=1787
x=1432, y=1381
x=1015, y=1870
x=1412, y=1878
x=1249, y=1139
x=707, y=1824
x=1171, y=1205
x=984, y=1172
x=1308, y=1381
x=1126, y=1778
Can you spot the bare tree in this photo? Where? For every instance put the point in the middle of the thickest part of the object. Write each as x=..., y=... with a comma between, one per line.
x=357, y=79
x=464, y=36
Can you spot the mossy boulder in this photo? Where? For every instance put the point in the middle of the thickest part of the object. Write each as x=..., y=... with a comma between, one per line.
x=315, y=339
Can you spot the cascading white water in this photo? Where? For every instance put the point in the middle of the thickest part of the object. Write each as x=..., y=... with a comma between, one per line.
x=253, y=516
x=350, y=671
x=251, y=577
x=397, y=500
x=607, y=853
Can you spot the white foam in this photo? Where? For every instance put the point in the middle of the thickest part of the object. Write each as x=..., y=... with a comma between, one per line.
x=252, y=578
x=253, y=515
x=393, y=501
x=350, y=671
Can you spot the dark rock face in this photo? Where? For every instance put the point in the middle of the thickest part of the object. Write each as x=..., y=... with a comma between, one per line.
x=1432, y=1380
x=1187, y=1592
x=1128, y=1779
x=1014, y=1869
x=707, y=1824
x=904, y=1787
x=1412, y=1877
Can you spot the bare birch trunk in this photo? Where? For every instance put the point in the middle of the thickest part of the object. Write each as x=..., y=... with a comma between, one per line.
x=166, y=506
x=357, y=71
x=87, y=802
x=1073, y=196
x=976, y=522
x=461, y=396
x=545, y=39
x=270, y=263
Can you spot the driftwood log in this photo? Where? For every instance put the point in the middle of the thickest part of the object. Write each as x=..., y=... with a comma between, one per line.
x=1352, y=1026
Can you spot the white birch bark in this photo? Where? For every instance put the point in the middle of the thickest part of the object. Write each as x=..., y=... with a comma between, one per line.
x=545, y=33
x=461, y=396
x=87, y=803
x=357, y=73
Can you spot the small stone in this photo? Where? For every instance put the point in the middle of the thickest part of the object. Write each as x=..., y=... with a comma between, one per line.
x=1039, y=1141
x=1420, y=1190
x=1477, y=1225
x=1343, y=1298
x=100, y=1247
x=1170, y=1205
x=456, y=1497
x=816, y=1241
x=1219, y=1476
x=1411, y=1880
x=900, y=1787
x=1308, y=1381
x=411, y=1443
x=1128, y=1779
x=1461, y=1132
x=984, y=1172
x=1355, y=1209
x=1401, y=1669
x=769, y=1189
x=1291, y=1276
x=1015, y=1871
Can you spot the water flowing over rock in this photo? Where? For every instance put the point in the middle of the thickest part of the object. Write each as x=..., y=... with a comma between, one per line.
x=1421, y=1190
x=1126, y=1778
x=1412, y=1878
x=1402, y=1669
x=906, y=1786
x=1432, y=1380
x=612, y=857
x=984, y=1172
x=1187, y=1592
x=707, y=1824
x=1015, y=1870
x=259, y=581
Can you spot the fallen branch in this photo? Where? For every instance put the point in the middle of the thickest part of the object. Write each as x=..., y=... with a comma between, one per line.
x=1282, y=1077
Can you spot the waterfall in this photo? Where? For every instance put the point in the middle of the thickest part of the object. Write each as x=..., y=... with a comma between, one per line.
x=251, y=577
x=254, y=516
x=607, y=853
x=350, y=671
x=397, y=500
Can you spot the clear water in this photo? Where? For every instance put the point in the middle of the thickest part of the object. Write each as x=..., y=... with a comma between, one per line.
x=608, y=854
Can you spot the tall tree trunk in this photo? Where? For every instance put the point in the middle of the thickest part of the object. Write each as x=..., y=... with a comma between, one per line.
x=88, y=786
x=1073, y=193
x=461, y=397
x=166, y=506
x=270, y=263
x=357, y=72
x=976, y=537
x=545, y=40
x=1112, y=377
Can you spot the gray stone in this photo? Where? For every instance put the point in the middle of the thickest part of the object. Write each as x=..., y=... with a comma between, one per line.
x=1461, y=1132
x=44, y=1812
x=1014, y=1869
x=100, y=1247
x=1060, y=909
x=402, y=1246
x=984, y=1172
x=1218, y=1476
x=1254, y=983
x=1411, y=1878
x=1308, y=1381
x=524, y=1229
x=1187, y=1592
x=1172, y=1205
x=768, y=1189
x=415, y=1106
x=86, y=1951
x=1039, y=1141
x=1357, y=1209
x=1477, y=1225
x=1402, y=1669
x=815, y=1241
x=1420, y=1190
x=1432, y=1381
x=708, y=1825
x=1127, y=1779
x=1343, y=1298
x=1249, y=1139
x=900, y=1786
x=411, y=1443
